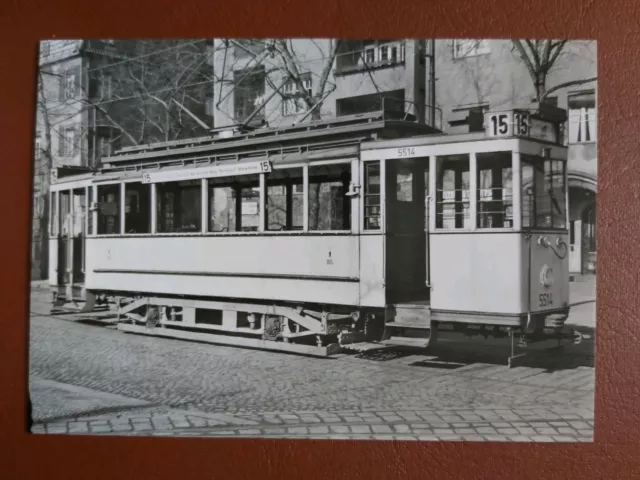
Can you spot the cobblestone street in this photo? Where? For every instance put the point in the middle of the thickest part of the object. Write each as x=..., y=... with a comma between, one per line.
x=90, y=378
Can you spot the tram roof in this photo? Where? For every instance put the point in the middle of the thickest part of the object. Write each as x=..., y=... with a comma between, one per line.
x=361, y=127
x=441, y=139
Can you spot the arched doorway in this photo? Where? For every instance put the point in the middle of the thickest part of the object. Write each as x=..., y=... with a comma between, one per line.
x=582, y=225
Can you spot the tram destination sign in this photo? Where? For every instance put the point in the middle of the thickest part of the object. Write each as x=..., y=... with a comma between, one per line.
x=518, y=123
x=208, y=172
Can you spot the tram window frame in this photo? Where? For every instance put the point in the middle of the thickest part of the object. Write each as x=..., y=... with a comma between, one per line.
x=243, y=187
x=499, y=166
x=455, y=163
x=543, y=172
x=53, y=214
x=89, y=211
x=104, y=192
x=172, y=193
x=372, y=211
x=79, y=205
x=142, y=225
x=284, y=180
x=337, y=214
x=64, y=209
x=233, y=218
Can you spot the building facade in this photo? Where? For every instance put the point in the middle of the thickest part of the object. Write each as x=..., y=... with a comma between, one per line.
x=274, y=82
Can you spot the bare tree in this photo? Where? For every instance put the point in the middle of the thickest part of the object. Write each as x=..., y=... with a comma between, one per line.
x=541, y=57
x=161, y=92
x=281, y=64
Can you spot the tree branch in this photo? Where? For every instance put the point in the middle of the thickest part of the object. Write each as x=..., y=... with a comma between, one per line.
x=116, y=124
x=572, y=83
x=525, y=58
x=324, y=76
x=559, y=46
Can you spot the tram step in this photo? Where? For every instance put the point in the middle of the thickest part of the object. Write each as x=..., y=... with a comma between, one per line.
x=407, y=342
x=409, y=316
x=418, y=324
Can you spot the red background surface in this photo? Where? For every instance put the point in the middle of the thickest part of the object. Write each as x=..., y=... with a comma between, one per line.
x=615, y=453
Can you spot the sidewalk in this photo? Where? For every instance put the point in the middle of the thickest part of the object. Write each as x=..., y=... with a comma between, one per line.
x=119, y=415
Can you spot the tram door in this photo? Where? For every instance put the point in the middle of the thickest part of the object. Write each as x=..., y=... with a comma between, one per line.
x=71, y=242
x=406, y=231
x=78, y=235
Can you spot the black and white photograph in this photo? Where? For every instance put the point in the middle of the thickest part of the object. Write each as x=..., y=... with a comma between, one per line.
x=315, y=238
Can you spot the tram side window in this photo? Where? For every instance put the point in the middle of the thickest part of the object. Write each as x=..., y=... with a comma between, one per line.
x=234, y=207
x=329, y=207
x=249, y=209
x=284, y=200
x=109, y=209
x=89, y=212
x=137, y=217
x=495, y=190
x=64, y=216
x=179, y=206
x=79, y=212
x=452, y=192
x=372, y=196
x=53, y=214
x=544, y=192
x=223, y=214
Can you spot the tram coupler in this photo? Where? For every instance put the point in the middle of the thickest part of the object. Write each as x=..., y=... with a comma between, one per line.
x=560, y=338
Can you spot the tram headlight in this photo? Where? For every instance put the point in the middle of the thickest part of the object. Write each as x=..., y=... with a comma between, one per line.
x=546, y=276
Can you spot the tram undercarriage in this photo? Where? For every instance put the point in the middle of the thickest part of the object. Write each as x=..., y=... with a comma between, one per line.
x=324, y=331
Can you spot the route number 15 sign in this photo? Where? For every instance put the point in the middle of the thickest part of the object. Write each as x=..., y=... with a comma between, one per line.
x=507, y=124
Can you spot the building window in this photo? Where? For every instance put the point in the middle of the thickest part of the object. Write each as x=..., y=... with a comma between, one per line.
x=452, y=192
x=37, y=205
x=105, y=87
x=248, y=93
x=103, y=146
x=68, y=142
x=392, y=102
x=495, y=190
x=293, y=102
x=208, y=106
x=137, y=215
x=463, y=48
x=70, y=84
x=108, y=209
x=358, y=55
x=480, y=108
x=544, y=192
x=372, y=212
x=179, y=206
x=582, y=117
x=38, y=150
x=329, y=207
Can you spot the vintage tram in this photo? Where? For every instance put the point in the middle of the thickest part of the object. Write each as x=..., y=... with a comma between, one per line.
x=361, y=231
